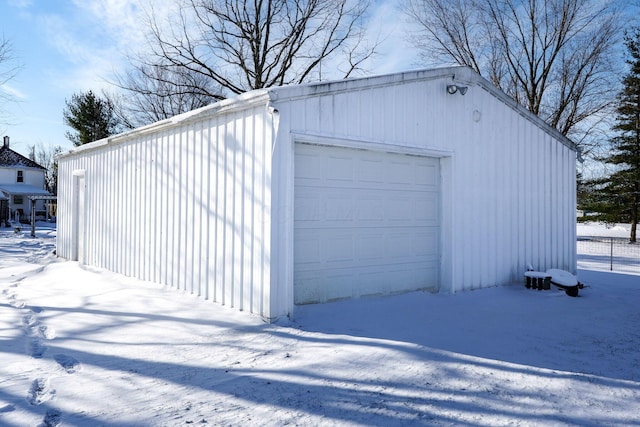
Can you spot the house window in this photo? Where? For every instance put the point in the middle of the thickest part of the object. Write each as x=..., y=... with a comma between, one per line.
x=18, y=200
x=20, y=177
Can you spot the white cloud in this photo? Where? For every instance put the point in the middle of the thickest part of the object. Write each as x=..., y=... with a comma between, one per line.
x=13, y=92
x=93, y=39
x=389, y=25
x=20, y=3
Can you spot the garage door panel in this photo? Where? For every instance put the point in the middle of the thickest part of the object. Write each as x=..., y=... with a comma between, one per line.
x=368, y=171
x=308, y=208
x=371, y=210
x=308, y=251
x=318, y=286
x=399, y=208
x=339, y=249
x=365, y=223
x=308, y=169
x=339, y=170
x=369, y=247
x=366, y=208
x=364, y=247
x=339, y=208
x=427, y=176
x=400, y=173
x=426, y=209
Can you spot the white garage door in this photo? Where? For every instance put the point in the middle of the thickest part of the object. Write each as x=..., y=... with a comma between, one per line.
x=366, y=223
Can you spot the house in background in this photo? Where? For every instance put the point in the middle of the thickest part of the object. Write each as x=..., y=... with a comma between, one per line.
x=20, y=179
x=428, y=180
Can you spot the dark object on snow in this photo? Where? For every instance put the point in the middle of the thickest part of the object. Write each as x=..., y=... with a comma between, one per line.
x=562, y=279
x=537, y=280
x=565, y=280
x=52, y=418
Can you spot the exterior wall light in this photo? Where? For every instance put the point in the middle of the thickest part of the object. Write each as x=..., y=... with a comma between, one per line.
x=451, y=89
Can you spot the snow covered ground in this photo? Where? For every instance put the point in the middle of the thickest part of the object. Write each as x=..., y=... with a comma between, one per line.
x=83, y=347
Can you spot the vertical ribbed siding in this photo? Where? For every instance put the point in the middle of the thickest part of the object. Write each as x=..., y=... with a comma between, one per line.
x=184, y=207
x=193, y=210
x=513, y=183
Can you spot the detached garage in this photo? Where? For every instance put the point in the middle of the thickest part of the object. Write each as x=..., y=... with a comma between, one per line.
x=428, y=180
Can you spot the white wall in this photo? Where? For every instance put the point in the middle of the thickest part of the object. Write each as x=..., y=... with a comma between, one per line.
x=185, y=205
x=31, y=176
x=204, y=202
x=508, y=185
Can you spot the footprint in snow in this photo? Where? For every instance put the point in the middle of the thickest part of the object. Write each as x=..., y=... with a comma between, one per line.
x=40, y=392
x=13, y=302
x=46, y=332
x=29, y=320
x=36, y=309
x=52, y=418
x=36, y=348
x=69, y=363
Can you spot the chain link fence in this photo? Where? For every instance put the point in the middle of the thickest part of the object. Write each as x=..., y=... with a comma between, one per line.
x=608, y=253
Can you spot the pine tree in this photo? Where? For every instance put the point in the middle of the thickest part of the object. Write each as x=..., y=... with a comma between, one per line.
x=91, y=117
x=622, y=188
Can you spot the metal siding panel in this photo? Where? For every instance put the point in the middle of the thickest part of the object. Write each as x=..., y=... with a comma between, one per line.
x=259, y=260
x=178, y=228
x=326, y=112
x=229, y=228
x=143, y=218
x=209, y=222
x=518, y=168
x=194, y=226
x=149, y=187
x=341, y=102
x=182, y=197
x=123, y=209
x=248, y=210
x=125, y=212
x=187, y=204
x=221, y=166
x=89, y=223
x=365, y=118
x=98, y=169
x=170, y=172
x=135, y=209
x=238, y=196
x=167, y=209
x=547, y=201
x=199, y=213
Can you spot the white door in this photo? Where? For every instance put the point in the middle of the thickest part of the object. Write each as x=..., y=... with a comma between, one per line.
x=79, y=189
x=365, y=223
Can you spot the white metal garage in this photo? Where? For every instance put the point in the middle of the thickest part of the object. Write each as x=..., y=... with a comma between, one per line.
x=330, y=190
x=366, y=222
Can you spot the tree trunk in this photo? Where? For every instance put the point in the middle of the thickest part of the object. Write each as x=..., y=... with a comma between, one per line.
x=634, y=214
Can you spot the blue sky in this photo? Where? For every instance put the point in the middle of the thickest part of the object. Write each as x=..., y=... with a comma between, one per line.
x=69, y=46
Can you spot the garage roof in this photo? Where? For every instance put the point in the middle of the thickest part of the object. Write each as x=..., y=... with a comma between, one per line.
x=245, y=100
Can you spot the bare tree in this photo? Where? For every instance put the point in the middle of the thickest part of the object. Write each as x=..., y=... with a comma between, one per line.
x=211, y=49
x=553, y=56
x=8, y=70
x=156, y=92
x=45, y=156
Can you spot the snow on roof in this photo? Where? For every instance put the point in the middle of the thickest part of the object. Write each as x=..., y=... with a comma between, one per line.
x=247, y=99
x=9, y=158
x=22, y=189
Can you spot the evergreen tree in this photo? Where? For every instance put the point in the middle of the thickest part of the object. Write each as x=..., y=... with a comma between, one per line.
x=91, y=117
x=621, y=190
